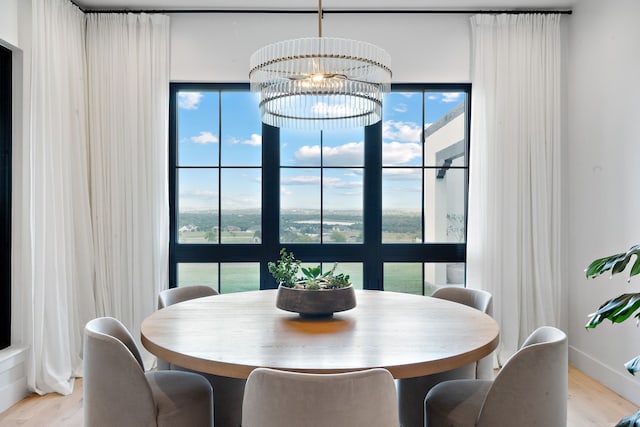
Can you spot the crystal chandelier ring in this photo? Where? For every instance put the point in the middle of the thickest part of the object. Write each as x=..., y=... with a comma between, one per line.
x=320, y=82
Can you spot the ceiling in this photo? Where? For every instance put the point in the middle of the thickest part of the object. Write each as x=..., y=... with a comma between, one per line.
x=326, y=4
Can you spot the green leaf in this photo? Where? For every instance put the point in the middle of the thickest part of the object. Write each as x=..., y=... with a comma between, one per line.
x=616, y=263
x=630, y=421
x=617, y=310
x=596, y=267
x=636, y=267
x=633, y=365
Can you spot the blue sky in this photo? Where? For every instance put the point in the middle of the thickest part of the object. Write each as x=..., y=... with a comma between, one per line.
x=202, y=142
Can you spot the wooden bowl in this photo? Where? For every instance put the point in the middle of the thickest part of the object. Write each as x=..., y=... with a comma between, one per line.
x=316, y=303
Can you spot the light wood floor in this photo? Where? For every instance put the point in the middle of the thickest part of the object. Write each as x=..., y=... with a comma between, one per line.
x=590, y=405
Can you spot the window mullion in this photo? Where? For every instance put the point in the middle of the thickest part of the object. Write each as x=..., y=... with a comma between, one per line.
x=372, y=247
x=270, y=202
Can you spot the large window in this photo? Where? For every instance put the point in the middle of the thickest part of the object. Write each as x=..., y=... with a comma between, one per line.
x=5, y=197
x=388, y=202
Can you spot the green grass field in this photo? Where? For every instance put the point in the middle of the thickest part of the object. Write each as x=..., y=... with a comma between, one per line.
x=240, y=277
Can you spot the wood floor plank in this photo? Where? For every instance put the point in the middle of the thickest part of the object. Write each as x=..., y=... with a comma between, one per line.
x=593, y=405
x=590, y=404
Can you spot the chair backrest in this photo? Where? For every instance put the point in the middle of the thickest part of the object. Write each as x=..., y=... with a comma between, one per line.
x=275, y=398
x=115, y=389
x=476, y=298
x=532, y=386
x=175, y=295
x=480, y=300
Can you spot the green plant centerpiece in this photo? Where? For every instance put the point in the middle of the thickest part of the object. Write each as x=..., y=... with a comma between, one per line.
x=312, y=293
x=620, y=308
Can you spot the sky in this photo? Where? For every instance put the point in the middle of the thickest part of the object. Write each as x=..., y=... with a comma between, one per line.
x=204, y=143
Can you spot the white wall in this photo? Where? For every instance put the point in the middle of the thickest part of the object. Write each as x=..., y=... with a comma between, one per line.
x=217, y=47
x=602, y=163
x=9, y=22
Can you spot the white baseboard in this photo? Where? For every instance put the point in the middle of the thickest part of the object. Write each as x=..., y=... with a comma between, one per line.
x=620, y=382
x=13, y=376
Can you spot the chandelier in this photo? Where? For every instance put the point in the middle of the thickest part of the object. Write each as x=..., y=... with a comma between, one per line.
x=320, y=82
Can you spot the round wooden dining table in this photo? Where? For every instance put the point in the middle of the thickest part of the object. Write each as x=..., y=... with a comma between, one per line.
x=231, y=334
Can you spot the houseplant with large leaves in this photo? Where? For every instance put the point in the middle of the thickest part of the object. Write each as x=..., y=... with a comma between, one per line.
x=620, y=308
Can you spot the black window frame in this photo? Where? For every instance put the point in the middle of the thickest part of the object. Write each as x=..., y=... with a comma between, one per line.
x=5, y=195
x=372, y=253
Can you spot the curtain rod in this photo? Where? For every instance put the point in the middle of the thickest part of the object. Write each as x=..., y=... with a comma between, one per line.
x=336, y=11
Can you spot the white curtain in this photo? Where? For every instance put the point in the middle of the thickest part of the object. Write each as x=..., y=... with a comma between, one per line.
x=128, y=93
x=91, y=237
x=57, y=276
x=514, y=246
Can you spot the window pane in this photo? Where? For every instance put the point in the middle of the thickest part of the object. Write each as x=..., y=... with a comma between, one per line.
x=198, y=206
x=198, y=125
x=402, y=205
x=343, y=147
x=299, y=205
x=403, y=277
x=190, y=274
x=239, y=277
x=241, y=206
x=437, y=275
x=241, y=130
x=444, y=205
x=342, y=206
x=299, y=147
x=402, y=129
x=444, y=138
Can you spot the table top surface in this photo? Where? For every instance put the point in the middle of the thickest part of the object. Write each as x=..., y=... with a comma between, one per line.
x=232, y=334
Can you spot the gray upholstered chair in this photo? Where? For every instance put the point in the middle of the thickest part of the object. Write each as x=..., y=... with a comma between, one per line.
x=530, y=390
x=274, y=398
x=118, y=392
x=228, y=391
x=175, y=295
x=412, y=391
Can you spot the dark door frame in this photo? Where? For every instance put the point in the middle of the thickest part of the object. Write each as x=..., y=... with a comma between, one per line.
x=5, y=197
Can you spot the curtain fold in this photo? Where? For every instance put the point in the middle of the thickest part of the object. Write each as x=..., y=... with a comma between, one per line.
x=92, y=232
x=128, y=81
x=59, y=269
x=514, y=245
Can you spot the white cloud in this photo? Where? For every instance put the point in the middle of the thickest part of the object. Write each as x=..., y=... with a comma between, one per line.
x=194, y=199
x=205, y=138
x=432, y=97
x=300, y=180
x=254, y=141
x=451, y=96
x=351, y=153
x=236, y=201
x=204, y=194
x=402, y=174
x=189, y=100
x=285, y=191
x=401, y=108
x=398, y=153
x=334, y=182
x=308, y=154
x=401, y=131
